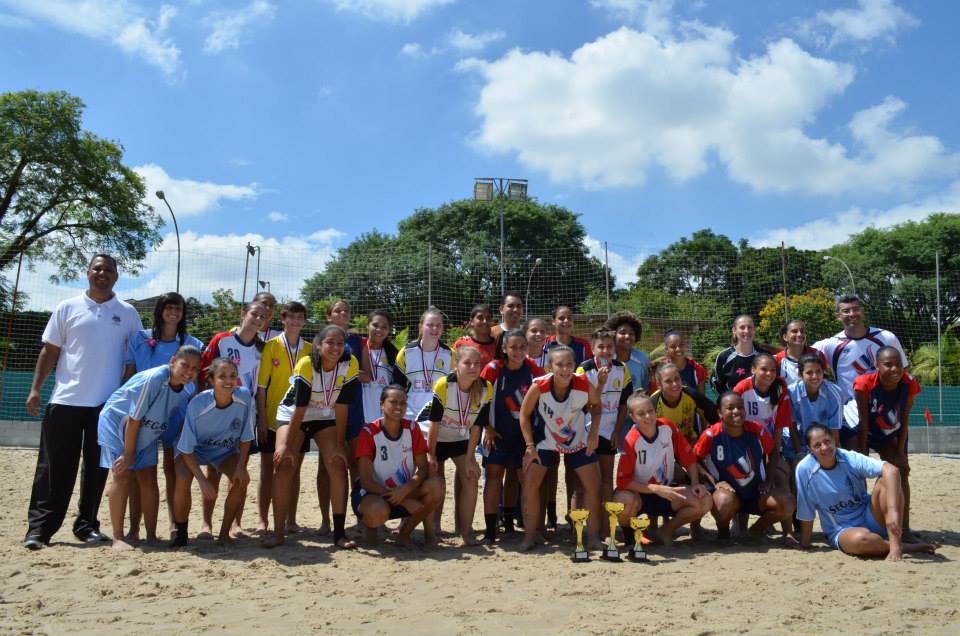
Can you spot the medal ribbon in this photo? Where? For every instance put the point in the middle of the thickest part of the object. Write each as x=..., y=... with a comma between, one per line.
x=428, y=375
x=463, y=412
x=328, y=395
x=374, y=364
x=296, y=352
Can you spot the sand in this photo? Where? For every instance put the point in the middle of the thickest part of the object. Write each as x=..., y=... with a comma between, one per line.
x=308, y=587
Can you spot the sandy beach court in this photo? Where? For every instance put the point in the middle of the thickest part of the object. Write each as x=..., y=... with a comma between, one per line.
x=308, y=587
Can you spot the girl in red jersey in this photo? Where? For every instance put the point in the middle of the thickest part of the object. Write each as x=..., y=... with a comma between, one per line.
x=552, y=423
x=511, y=374
x=645, y=474
x=480, y=338
x=884, y=401
x=794, y=337
x=461, y=402
x=395, y=479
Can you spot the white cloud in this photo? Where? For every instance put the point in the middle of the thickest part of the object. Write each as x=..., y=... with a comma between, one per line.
x=652, y=15
x=469, y=43
x=871, y=19
x=14, y=21
x=208, y=262
x=240, y=162
x=227, y=28
x=623, y=268
x=191, y=197
x=119, y=22
x=836, y=228
x=278, y=216
x=389, y=10
x=628, y=102
x=413, y=49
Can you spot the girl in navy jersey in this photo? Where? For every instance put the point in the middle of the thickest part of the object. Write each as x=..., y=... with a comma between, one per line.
x=395, y=479
x=316, y=405
x=884, y=401
x=692, y=373
x=480, y=337
x=377, y=362
x=537, y=350
x=511, y=373
x=737, y=450
x=461, y=402
x=217, y=432
x=563, y=335
x=551, y=420
x=734, y=363
x=794, y=337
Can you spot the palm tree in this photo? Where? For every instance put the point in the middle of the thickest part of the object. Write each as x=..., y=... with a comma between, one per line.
x=924, y=362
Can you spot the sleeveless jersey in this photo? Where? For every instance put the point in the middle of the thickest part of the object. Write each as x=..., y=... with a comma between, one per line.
x=886, y=407
x=393, y=459
x=320, y=391
x=653, y=461
x=455, y=411
x=758, y=407
x=736, y=460
x=612, y=395
x=559, y=424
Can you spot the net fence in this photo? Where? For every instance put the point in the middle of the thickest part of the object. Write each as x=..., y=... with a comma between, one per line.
x=698, y=293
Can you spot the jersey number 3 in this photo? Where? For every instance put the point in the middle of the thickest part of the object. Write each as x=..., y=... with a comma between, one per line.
x=383, y=453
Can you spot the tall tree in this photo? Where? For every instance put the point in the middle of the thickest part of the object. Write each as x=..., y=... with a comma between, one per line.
x=702, y=264
x=63, y=190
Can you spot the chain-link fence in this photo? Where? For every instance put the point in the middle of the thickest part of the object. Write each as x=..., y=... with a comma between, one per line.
x=698, y=294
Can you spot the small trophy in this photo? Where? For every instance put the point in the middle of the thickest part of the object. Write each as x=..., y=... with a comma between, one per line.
x=639, y=524
x=579, y=517
x=610, y=553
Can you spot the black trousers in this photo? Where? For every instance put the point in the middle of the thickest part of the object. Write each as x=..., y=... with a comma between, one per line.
x=66, y=431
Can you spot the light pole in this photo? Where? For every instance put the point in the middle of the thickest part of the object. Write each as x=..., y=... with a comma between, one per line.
x=526, y=297
x=853, y=284
x=265, y=284
x=513, y=189
x=162, y=197
x=251, y=250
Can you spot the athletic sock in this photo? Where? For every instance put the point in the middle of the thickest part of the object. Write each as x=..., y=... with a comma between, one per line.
x=508, y=516
x=552, y=513
x=179, y=535
x=628, y=536
x=491, y=521
x=338, y=523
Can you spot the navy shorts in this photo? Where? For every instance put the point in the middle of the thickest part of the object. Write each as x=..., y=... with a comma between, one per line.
x=312, y=428
x=605, y=447
x=750, y=506
x=878, y=441
x=449, y=450
x=847, y=434
x=655, y=505
x=572, y=461
x=356, y=496
x=507, y=455
x=270, y=445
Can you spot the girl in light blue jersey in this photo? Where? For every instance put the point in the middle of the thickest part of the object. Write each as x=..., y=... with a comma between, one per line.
x=147, y=409
x=217, y=432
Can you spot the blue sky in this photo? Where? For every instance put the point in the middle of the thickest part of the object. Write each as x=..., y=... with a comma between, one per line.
x=300, y=125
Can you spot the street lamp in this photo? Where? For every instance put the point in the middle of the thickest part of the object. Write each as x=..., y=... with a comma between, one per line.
x=853, y=284
x=162, y=197
x=526, y=297
x=265, y=284
x=251, y=250
x=513, y=189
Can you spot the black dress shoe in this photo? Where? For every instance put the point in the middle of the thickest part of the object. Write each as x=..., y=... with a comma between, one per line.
x=91, y=536
x=34, y=542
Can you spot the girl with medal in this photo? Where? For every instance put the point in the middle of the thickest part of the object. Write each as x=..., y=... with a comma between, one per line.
x=340, y=314
x=376, y=363
x=278, y=360
x=316, y=405
x=421, y=363
x=459, y=411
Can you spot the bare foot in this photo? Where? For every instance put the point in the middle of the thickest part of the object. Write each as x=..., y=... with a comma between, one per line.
x=206, y=532
x=756, y=533
x=373, y=536
x=696, y=531
x=468, y=540
x=928, y=548
x=430, y=541
x=665, y=537
x=346, y=544
x=121, y=546
x=226, y=540
x=404, y=541
x=324, y=529
x=293, y=528
x=272, y=540
x=132, y=537
x=152, y=539
x=236, y=532
x=723, y=533
x=529, y=543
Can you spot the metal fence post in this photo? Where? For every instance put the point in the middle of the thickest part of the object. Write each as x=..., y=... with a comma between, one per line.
x=783, y=268
x=939, y=344
x=606, y=273
x=429, y=276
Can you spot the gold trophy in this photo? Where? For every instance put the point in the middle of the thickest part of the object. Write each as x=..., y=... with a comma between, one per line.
x=610, y=553
x=639, y=524
x=579, y=517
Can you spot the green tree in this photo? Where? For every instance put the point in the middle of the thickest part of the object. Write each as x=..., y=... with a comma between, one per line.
x=209, y=319
x=924, y=361
x=450, y=256
x=815, y=308
x=64, y=191
x=702, y=265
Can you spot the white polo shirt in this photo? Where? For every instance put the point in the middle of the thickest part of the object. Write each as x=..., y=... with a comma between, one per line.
x=92, y=338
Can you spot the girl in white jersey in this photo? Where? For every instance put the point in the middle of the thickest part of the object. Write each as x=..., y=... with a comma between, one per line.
x=551, y=420
x=423, y=362
x=269, y=301
x=376, y=362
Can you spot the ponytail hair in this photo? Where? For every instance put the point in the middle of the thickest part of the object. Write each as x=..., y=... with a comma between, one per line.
x=498, y=351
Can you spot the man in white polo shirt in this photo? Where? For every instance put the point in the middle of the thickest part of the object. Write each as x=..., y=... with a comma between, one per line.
x=85, y=340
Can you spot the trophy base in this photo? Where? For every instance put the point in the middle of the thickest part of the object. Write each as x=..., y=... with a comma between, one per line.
x=581, y=556
x=611, y=554
x=638, y=555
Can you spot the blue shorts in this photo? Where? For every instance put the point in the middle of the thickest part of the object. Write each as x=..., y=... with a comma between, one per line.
x=655, y=505
x=356, y=496
x=507, y=455
x=866, y=520
x=847, y=434
x=147, y=458
x=214, y=460
x=171, y=435
x=571, y=461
